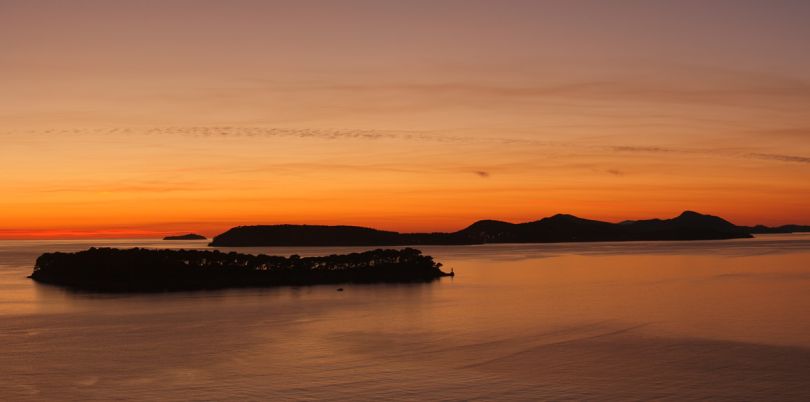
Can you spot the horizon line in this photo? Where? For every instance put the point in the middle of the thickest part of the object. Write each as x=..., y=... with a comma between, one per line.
x=132, y=234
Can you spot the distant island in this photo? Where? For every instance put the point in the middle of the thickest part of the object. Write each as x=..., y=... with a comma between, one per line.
x=190, y=236
x=146, y=270
x=558, y=228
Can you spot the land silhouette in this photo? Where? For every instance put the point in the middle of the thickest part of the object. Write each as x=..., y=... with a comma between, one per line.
x=148, y=270
x=190, y=236
x=762, y=229
x=689, y=225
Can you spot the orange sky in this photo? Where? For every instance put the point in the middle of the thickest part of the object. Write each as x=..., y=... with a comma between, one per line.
x=147, y=118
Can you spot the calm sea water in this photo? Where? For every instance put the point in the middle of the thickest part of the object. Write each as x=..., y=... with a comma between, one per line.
x=643, y=320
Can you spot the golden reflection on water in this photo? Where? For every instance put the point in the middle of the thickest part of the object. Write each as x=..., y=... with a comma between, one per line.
x=721, y=320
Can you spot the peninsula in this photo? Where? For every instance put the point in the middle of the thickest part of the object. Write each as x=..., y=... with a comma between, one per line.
x=148, y=270
x=558, y=228
x=762, y=229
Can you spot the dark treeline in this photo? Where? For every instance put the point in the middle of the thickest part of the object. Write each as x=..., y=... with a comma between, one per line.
x=146, y=270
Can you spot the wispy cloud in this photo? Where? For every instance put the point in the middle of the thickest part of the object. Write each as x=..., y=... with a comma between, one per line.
x=742, y=88
x=644, y=149
x=299, y=133
x=779, y=157
x=123, y=186
x=798, y=133
x=552, y=147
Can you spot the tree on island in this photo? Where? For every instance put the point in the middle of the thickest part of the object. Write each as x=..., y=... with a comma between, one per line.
x=139, y=269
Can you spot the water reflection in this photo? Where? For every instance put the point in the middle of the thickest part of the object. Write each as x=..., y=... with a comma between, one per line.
x=664, y=320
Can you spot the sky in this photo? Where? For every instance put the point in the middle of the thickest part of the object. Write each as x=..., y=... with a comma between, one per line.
x=146, y=118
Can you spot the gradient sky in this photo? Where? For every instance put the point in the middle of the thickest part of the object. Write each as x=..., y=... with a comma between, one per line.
x=142, y=118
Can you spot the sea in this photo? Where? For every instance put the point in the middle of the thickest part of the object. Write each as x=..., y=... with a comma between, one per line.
x=689, y=320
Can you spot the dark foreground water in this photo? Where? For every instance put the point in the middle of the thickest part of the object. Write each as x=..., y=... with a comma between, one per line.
x=659, y=320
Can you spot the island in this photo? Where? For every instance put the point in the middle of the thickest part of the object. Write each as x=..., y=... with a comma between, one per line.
x=151, y=270
x=762, y=229
x=689, y=225
x=190, y=236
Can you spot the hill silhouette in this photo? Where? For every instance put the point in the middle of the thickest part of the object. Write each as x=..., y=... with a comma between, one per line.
x=145, y=270
x=190, y=236
x=762, y=229
x=307, y=235
x=689, y=225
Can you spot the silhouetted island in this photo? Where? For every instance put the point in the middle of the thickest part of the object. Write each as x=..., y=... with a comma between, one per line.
x=762, y=229
x=559, y=228
x=146, y=270
x=190, y=236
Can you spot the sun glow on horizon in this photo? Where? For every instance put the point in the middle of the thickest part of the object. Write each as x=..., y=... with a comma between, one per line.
x=117, y=121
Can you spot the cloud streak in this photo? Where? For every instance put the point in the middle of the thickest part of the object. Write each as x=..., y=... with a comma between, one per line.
x=237, y=132
x=644, y=149
x=779, y=157
x=742, y=88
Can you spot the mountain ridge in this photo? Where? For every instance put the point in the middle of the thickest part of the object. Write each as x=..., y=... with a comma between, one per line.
x=689, y=225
